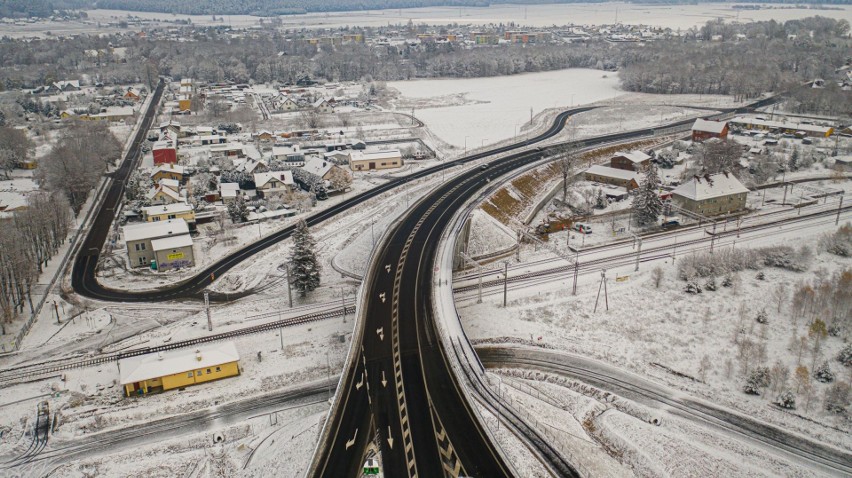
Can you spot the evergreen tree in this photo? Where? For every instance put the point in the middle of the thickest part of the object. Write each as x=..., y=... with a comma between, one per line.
x=647, y=204
x=304, y=266
x=793, y=163
x=238, y=210
x=600, y=200
x=823, y=373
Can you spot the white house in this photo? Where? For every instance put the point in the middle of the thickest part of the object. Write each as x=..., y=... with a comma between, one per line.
x=274, y=181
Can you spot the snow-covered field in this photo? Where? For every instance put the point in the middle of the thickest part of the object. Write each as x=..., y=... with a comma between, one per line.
x=496, y=108
x=637, y=324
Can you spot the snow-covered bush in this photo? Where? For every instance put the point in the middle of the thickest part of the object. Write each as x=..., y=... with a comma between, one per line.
x=823, y=373
x=787, y=400
x=757, y=381
x=728, y=281
x=727, y=261
x=762, y=317
x=839, y=242
x=710, y=284
x=837, y=398
x=692, y=288
x=845, y=355
x=760, y=276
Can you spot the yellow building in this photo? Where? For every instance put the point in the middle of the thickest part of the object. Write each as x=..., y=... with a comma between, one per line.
x=364, y=161
x=184, y=103
x=169, y=211
x=163, y=371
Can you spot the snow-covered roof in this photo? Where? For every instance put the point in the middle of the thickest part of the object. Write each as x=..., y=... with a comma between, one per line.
x=145, y=367
x=374, y=155
x=286, y=177
x=714, y=127
x=170, y=123
x=320, y=102
x=163, y=145
x=165, y=190
x=777, y=124
x=707, y=187
x=155, y=230
x=634, y=156
x=229, y=187
x=169, y=183
x=184, y=240
x=613, y=172
x=176, y=208
x=168, y=168
x=318, y=166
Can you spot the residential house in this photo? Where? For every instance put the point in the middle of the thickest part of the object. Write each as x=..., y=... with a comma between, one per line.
x=322, y=105
x=112, y=113
x=274, y=182
x=364, y=161
x=170, y=211
x=285, y=103
x=168, y=171
x=632, y=161
x=711, y=195
x=704, y=129
x=291, y=155
x=161, y=194
x=168, y=243
x=252, y=167
x=132, y=94
x=171, y=369
x=322, y=167
x=171, y=128
x=165, y=152
x=227, y=150
x=63, y=86
x=617, y=177
x=228, y=191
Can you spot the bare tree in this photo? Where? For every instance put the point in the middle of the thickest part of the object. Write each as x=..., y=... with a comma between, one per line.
x=339, y=179
x=14, y=147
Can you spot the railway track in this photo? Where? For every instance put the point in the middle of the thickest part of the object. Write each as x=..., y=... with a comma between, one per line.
x=32, y=371
x=628, y=258
x=834, y=460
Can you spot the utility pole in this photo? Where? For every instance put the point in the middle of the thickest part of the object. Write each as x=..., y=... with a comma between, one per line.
x=343, y=302
x=839, y=208
x=638, y=254
x=289, y=287
x=713, y=237
x=576, y=272
x=602, y=285
x=281, y=335
x=207, y=308
x=505, y=281
x=56, y=309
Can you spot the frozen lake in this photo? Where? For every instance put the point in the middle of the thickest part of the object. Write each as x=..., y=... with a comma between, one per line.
x=502, y=103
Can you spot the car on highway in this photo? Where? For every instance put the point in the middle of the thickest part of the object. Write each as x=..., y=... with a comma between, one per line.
x=484, y=167
x=581, y=227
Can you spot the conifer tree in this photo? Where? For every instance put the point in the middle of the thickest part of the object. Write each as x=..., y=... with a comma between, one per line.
x=647, y=204
x=304, y=266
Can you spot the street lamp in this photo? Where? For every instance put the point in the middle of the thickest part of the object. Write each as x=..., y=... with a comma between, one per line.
x=465, y=145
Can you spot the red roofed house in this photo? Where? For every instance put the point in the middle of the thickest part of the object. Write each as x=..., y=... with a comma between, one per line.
x=703, y=129
x=164, y=152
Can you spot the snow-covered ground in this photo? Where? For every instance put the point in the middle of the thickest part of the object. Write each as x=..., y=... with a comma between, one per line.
x=495, y=108
x=637, y=324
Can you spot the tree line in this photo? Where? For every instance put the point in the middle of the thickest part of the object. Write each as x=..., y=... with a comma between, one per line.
x=27, y=242
x=78, y=160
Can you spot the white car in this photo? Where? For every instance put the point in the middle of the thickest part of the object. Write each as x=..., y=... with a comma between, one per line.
x=584, y=228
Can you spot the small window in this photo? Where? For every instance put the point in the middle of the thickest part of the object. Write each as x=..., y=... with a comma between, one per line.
x=188, y=374
x=198, y=373
x=143, y=246
x=218, y=369
x=137, y=247
x=172, y=216
x=208, y=370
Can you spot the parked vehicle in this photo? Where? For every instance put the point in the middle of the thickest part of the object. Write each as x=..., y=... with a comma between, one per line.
x=584, y=228
x=670, y=222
